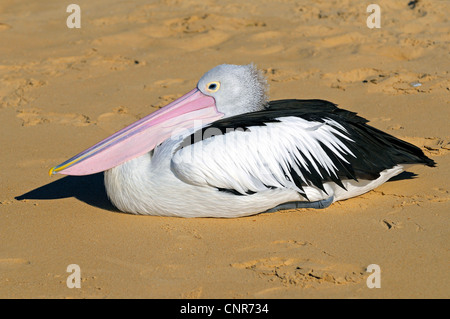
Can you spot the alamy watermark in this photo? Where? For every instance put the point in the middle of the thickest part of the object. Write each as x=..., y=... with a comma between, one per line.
x=74, y=279
x=74, y=19
x=374, y=279
x=374, y=19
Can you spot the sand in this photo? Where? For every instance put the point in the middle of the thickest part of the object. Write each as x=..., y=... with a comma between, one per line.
x=62, y=90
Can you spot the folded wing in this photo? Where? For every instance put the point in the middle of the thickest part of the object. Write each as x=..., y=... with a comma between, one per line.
x=291, y=144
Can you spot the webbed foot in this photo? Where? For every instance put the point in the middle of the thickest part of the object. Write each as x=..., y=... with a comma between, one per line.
x=320, y=204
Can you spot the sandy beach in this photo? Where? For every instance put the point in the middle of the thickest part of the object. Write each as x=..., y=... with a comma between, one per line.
x=64, y=89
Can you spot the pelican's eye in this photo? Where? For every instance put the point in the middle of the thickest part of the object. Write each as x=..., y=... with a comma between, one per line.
x=213, y=87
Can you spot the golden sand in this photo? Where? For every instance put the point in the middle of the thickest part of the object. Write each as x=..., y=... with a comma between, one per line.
x=62, y=90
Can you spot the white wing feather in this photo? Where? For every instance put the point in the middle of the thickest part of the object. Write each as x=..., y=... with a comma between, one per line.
x=262, y=156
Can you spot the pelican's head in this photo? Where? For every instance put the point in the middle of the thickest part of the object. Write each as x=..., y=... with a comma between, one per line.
x=223, y=91
x=237, y=89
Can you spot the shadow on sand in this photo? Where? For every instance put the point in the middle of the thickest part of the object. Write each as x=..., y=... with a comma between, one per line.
x=89, y=189
x=402, y=176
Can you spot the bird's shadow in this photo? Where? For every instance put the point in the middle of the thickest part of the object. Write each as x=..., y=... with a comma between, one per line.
x=89, y=189
x=402, y=176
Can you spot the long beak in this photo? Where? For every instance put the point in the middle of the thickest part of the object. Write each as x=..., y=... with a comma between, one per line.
x=143, y=135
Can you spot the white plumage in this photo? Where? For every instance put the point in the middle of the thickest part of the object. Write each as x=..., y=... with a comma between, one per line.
x=249, y=160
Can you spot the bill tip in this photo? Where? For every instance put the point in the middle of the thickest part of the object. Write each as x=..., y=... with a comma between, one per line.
x=51, y=171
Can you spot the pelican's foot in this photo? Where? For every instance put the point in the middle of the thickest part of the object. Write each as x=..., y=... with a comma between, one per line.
x=320, y=204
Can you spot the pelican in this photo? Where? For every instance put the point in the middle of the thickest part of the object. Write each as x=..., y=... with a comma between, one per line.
x=224, y=150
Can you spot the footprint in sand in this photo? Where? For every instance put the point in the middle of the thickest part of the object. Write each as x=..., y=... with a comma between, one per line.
x=401, y=83
x=14, y=91
x=395, y=127
x=343, y=79
x=267, y=36
x=390, y=82
x=302, y=272
x=440, y=195
x=168, y=83
x=35, y=116
x=198, y=32
x=193, y=294
x=279, y=75
x=318, y=269
x=199, y=41
x=209, y=22
x=118, y=118
x=130, y=39
x=13, y=262
x=430, y=145
x=4, y=26
x=165, y=99
x=115, y=62
x=346, y=39
x=401, y=53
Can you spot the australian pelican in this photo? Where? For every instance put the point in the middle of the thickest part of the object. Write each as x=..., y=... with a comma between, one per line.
x=224, y=150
